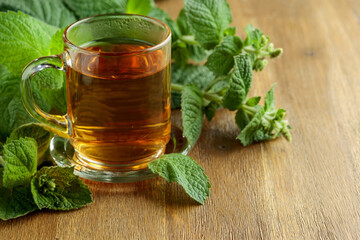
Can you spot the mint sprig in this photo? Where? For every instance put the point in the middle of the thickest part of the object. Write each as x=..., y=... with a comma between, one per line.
x=185, y=171
x=59, y=189
x=16, y=202
x=231, y=61
x=23, y=189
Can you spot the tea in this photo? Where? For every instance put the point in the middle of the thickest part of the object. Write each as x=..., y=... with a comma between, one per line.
x=119, y=103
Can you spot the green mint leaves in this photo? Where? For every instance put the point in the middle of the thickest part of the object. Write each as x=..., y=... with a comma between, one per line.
x=208, y=19
x=87, y=8
x=221, y=61
x=52, y=12
x=39, y=134
x=141, y=7
x=23, y=189
x=192, y=113
x=258, y=123
x=231, y=60
x=185, y=171
x=20, y=157
x=258, y=46
x=15, y=202
x=59, y=189
x=240, y=83
x=12, y=111
x=188, y=75
x=22, y=39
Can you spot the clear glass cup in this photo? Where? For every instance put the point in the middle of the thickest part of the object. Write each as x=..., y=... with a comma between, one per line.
x=118, y=95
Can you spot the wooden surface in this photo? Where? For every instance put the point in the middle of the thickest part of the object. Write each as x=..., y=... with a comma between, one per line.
x=306, y=189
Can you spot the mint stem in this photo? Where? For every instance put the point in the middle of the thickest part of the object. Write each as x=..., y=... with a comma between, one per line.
x=211, y=97
x=213, y=82
x=176, y=87
x=248, y=109
x=190, y=39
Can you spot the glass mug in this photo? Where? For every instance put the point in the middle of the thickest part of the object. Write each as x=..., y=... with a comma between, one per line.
x=118, y=95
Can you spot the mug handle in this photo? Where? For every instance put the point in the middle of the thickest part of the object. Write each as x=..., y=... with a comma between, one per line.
x=55, y=123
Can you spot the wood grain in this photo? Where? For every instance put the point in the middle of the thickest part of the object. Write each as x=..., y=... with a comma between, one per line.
x=306, y=189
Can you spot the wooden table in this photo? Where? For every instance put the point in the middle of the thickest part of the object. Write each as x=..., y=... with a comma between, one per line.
x=308, y=189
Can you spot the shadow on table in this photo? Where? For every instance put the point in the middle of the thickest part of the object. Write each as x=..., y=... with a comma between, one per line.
x=157, y=190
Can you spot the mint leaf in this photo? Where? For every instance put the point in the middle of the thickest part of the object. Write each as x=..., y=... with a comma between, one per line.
x=12, y=110
x=35, y=131
x=22, y=39
x=219, y=85
x=192, y=113
x=239, y=84
x=48, y=99
x=50, y=79
x=22, y=46
x=15, y=202
x=189, y=74
x=180, y=53
x=197, y=53
x=270, y=100
x=20, y=157
x=253, y=101
x=221, y=61
x=253, y=130
x=1, y=169
x=210, y=110
x=258, y=46
x=57, y=43
x=163, y=16
x=230, y=31
x=185, y=171
x=52, y=12
x=241, y=119
x=208, y=19
x=58, y=188
x=87, y=8
x=253, y=36
x=266, y=123
x=194, y=51
x=183, y=24
x=56, y=98
x=51, y=83
x=175, y=100
x=141, y=7
x=274, y=120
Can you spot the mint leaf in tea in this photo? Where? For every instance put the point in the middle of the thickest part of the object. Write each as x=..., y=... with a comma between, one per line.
x=119, y=103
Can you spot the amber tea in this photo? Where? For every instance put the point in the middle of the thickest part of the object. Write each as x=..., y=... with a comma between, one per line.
x=119, y=108
x=118, y=96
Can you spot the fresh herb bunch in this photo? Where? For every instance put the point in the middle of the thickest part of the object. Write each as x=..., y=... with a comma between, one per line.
x=225, y=79
x=23, y=188
x=200, y=34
